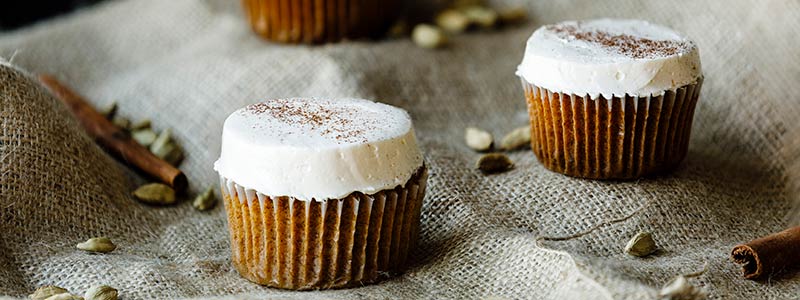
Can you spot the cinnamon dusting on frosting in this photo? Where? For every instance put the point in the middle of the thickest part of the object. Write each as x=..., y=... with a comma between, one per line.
x=625, y=44
x=332, y=122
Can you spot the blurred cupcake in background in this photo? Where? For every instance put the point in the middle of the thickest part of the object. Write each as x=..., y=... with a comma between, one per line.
x=321, y=21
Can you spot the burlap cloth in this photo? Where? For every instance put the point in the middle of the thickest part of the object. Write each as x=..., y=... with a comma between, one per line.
x=187, y=64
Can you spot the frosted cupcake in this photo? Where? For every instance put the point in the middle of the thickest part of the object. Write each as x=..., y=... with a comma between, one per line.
x=319, y=21
x=321, y=193
x=610, y=99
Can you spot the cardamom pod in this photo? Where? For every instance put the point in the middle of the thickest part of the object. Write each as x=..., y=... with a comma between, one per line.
x=45, y=291
x=477, y=139
x=175, y=155
x=483, y=16
x=680, y=288
x=110, y=111
x=165, y=149
x=98, y=244
x=205, y=200
x=428, y=36
x=163, y=139
x=64, y=296
x=452, y=21
x=141, y=124
x=516, y=139
x=641, y=245
x=494, y=163
x=101, y=292
x=155, y=193
x=144, y=137
x=121, y=122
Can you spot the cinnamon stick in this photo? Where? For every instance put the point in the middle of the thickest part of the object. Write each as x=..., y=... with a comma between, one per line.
x=114, y=139
x=768, y=255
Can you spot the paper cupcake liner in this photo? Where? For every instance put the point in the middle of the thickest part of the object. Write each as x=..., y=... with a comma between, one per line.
x=295, y=244
x=619, y=138
x=320, y=21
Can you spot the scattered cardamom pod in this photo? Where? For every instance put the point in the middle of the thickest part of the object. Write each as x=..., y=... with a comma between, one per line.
x=452, y=21
x=155, y=193
x=110, y=111
x=477, y=139
x=98, y=244
x=64, y=296
x=163, y=138
x=161, y=150
x=164, y=148
x=484, y=17
x=641, y=245
x=679, y=288
x=45, y=291
x=428, y=36
x=101, y=292
x=121, y=122
x=513, y=16
x=175, y=154
x=141, y=124
x=144, y=137
x=205, y=200
x=517, y=138
x=494, y=163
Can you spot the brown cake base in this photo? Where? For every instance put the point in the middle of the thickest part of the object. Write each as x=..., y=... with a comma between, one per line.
x=296, y=244
x=620, y=138
x=320, y=21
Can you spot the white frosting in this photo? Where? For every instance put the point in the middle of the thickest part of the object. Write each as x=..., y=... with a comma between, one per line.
x=318, y=149
x=609, y=57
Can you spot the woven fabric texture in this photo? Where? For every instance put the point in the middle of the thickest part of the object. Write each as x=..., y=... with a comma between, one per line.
x=187, y=64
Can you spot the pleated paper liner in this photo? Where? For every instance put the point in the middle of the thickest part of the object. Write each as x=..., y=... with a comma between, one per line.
x=294, y=244
x=321, y=21
x=620, y=138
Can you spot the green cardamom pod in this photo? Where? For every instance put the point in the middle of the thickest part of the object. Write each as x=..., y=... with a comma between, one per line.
x=641, y=245
x=205, y=200
x=680, y=288
x=98, y=244
x=516, y=139
x=155, y=193
x=164, y=138
x=46, y=291
x=141, y=124
x=144, y=137
x=175, y=155
x=121, y=122
x=483, y=16
x=101, y=292
x=477, y=139
x=494, y=163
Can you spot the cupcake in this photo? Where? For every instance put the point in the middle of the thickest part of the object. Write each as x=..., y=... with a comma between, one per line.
x=320, y=21
x=610, y=99
x=320, y=193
